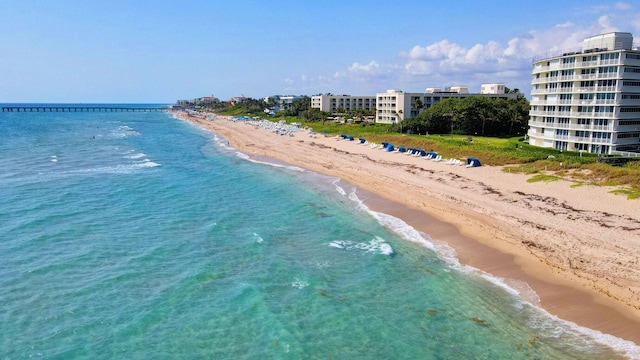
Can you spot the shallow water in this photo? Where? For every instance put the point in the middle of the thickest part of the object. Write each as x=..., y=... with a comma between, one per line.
x=136, y=235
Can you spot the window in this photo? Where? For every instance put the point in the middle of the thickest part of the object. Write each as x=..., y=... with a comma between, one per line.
x=602, y=149
x=631, y=83
x=584, y=121
x=601, y=135
x=582, y=134
x=561, y=145
x=630, y=96
x=610, y=56
x=604, y=109
x=586, y=96
x=633, y=56
x=629, y=109
x=629, y=122
x=631, y=70
x=628, y=135
x=608, y=69
x=581, y=147
x=606, y=82
x=606, y=96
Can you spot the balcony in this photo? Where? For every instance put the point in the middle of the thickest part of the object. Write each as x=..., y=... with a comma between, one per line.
x=587, y=77
x=610, y=62
x=610, y=75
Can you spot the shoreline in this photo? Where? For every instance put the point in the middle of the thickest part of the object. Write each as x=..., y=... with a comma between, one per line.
x=473, y=212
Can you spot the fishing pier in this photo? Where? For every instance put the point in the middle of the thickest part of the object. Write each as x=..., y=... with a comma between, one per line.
x=80, y=108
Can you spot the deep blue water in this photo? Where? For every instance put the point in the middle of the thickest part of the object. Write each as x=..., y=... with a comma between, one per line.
x=139, y=236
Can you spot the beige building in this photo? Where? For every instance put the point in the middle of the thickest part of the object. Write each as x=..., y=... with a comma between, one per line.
x=588, y=99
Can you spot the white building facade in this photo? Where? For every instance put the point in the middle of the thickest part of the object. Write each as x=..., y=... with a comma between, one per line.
x=331, y=103
x=395, y=105
x=588, y=99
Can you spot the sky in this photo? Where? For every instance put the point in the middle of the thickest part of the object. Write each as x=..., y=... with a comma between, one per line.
x=118, y=51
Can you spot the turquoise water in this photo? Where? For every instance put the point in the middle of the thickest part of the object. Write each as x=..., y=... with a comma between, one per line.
x=139, y=236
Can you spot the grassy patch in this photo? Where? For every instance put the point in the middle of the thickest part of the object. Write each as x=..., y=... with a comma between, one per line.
x=631, y=194
x=543, y=177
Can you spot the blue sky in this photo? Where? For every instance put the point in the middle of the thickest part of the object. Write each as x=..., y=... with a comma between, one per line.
x=161, y=51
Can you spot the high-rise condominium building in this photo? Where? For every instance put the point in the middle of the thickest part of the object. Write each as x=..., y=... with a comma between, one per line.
x=588, y=99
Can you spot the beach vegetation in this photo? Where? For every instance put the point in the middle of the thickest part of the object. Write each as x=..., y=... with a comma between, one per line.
x=543, y=177
x=630, y=193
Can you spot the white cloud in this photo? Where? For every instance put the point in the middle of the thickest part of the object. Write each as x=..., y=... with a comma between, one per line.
x=446, y=62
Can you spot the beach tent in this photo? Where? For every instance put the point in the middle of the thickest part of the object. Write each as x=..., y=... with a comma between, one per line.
x=401, y=149
x=389, y=147
x=344, y=136
x=362, y=140
x=473, y=162
x=350, y=138
x=420, y=152
x=432, y=153
x=385, y=144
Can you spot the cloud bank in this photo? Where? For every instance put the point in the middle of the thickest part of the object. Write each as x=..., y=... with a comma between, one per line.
x=448, y=63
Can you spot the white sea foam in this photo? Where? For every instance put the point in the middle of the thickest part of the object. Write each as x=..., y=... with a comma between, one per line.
x=339, y=188
x=135, y=156
x=258, y=238
x=255, y=161
x=115, y=169
x=299, y=284
x=375, y=245
x=124, y=131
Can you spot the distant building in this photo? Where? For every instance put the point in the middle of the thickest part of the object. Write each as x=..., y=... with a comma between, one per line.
x=205, y=100
x=588, y=99
x=283, y=102
x=492, y=89
x=331, y=103
x=396, y=105
x=237, y=99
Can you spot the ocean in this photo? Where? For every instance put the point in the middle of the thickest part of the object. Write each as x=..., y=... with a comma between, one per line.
x=136, y=235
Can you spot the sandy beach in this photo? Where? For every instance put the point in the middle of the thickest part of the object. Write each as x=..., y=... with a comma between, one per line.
x=577, y=248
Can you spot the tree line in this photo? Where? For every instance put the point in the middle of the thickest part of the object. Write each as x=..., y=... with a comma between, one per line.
x=473, y=115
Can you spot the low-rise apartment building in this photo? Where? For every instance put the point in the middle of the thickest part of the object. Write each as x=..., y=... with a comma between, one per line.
x=331, y=103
